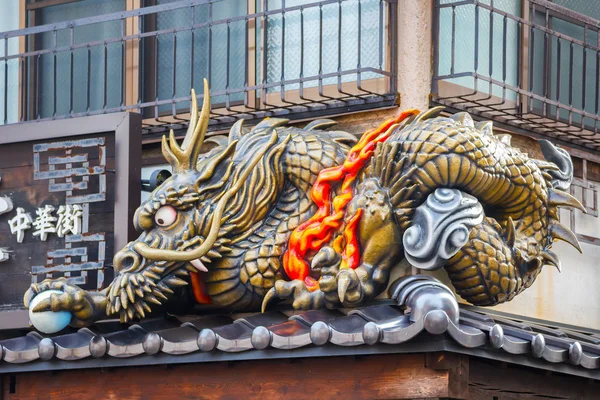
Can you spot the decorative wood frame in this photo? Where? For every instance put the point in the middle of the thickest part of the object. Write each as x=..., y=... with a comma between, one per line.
x=127, y=130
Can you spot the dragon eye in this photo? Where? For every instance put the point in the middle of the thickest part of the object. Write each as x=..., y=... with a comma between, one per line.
x=165, y=216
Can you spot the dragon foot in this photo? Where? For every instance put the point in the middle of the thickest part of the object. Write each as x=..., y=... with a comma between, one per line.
x=336, y=287
x=303, y=298
x=85, y=307
x=345, y=288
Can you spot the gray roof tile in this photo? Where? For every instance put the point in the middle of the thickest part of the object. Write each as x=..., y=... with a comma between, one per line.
x=360, y=327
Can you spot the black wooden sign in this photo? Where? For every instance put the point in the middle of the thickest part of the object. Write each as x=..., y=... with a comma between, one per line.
x=68, y=190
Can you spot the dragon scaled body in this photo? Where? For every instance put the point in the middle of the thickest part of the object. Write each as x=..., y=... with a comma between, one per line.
x=314, y=216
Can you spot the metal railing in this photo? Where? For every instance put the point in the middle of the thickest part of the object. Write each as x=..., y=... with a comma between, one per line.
x=533, y=65
x=299, y=60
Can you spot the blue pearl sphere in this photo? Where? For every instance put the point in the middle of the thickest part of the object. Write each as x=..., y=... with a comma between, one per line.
x=48, y=321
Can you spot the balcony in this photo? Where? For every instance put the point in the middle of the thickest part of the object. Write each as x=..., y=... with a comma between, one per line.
x=530, y=65
x=288, y=58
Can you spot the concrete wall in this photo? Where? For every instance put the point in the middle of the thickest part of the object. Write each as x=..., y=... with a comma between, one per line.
x=414, y=53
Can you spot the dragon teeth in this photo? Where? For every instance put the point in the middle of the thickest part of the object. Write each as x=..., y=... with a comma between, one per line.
x=199, y=265
x=214, y=254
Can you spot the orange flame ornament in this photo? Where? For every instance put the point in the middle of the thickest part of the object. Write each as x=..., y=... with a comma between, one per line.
x=317, y=231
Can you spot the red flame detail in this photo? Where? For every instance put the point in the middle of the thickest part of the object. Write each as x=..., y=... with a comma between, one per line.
x=199, y=288
x=317, y=231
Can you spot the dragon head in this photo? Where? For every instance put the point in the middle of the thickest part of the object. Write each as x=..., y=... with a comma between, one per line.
x=189, y=220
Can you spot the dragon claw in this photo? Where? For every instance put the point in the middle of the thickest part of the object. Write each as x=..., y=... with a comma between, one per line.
x=270, y=294
x=349, y=287
x=326, y=258
x=343, y=284
x=302, y=298
x=72, y=299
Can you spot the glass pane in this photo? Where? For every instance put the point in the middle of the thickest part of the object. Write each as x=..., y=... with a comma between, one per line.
x=333, y=38
x=83, y=59
x=495, y=55
x=573, y=69
x=585, y=7
x=218, y=51
x=9, y=85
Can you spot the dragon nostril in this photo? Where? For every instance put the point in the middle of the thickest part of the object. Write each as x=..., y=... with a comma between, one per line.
x=128, y=262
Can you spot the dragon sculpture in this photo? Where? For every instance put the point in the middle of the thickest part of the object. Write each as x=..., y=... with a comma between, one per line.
x=321, y=218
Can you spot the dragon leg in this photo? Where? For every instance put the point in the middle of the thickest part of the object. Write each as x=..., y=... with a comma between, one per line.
x=85, y=307
x=488, y=260
x=483, y=261
x=490, y=269
x=337, y=285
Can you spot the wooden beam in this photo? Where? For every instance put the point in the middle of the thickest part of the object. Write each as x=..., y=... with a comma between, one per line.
x=457, y=366
x=492, y=380
x=377, y=376
x=132, y=59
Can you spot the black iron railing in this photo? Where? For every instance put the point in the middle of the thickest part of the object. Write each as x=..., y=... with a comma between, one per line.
x=533, y=65
x=301, y=59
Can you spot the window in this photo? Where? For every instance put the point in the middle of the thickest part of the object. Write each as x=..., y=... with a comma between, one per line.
x=176, y=62
x=336, y=38
x=569, y=74
x=75, y=82
x=261, y=57
x=531, y=64
x=480, y=47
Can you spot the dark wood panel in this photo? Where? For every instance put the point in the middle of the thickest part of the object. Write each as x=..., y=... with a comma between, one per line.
x=21, y=154
x=378, y=376
x=122, y=140
x=493, y=380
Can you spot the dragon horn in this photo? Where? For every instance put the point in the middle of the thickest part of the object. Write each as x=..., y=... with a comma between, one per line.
x=183, y=158
x=561, y=232
x=562, y=198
